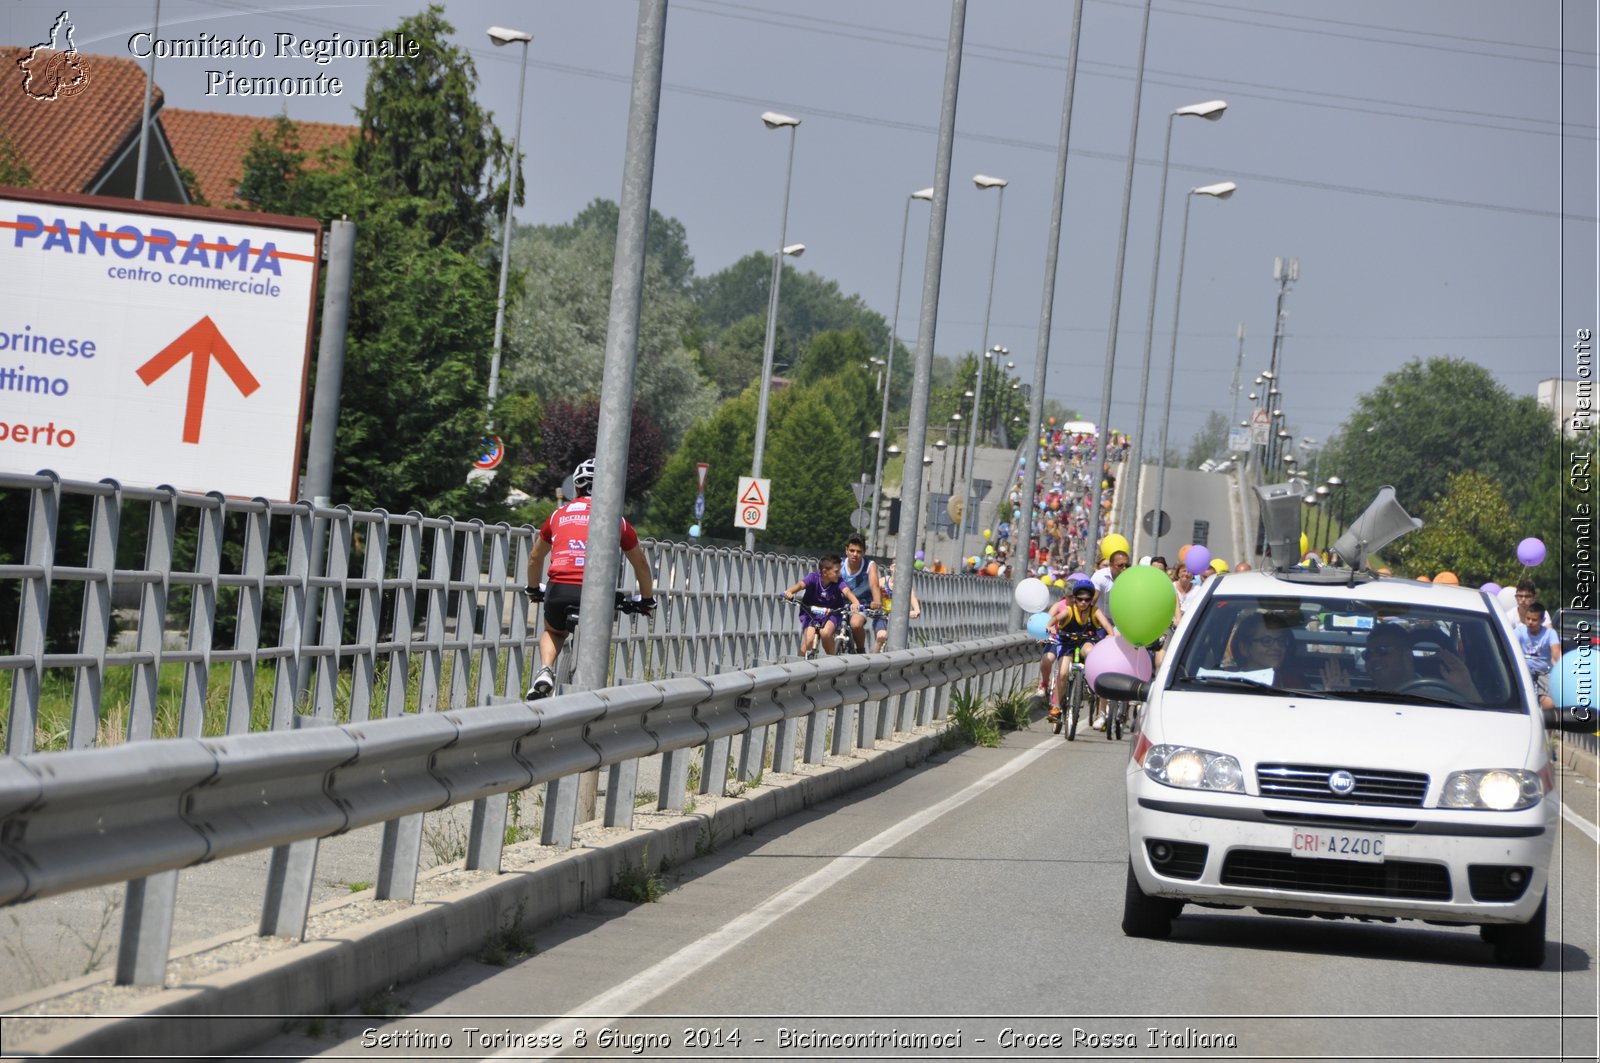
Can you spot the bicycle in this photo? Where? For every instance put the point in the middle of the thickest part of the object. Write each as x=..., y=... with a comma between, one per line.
x=1072, y=704
x=841, y=633
x=564, y=666
x=847, y=635
x=1116, y=712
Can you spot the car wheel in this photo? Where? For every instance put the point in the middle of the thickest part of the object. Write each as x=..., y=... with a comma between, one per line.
x=1144, y=916
x=1521, y=944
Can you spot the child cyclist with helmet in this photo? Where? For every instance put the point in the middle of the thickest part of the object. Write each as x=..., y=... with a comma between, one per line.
x=1075, y=622
x=564, y=538
x=823, y=591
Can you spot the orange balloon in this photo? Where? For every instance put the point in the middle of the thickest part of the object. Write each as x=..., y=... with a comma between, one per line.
x=1447, y=577
x=992, y=568
x=1183, y=551
x=1424, y=579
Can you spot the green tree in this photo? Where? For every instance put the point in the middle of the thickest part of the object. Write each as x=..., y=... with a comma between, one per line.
x=13, y=167
x=811, y=496
x=1469, y=530
x=423, y=289
x=1211, y=440
x=424, y=137
x=732, y=359
x=725, y=441
x=556, y=331
x=1429, y=420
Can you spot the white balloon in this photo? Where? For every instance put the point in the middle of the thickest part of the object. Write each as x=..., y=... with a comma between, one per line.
x=1032, y=595
x=1507, y=598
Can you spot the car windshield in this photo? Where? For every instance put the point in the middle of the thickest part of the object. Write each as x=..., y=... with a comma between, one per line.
x=1350, y=648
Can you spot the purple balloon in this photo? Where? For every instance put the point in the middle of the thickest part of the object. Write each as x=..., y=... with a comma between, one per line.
x=1491, y=588
x=1116, y=655
x=920, y=557
x=1075, y=577
x=1198, y=559
x=1530, y=551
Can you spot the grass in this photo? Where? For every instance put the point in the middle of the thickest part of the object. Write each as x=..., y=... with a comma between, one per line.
x=510, y=941
x=638, y=883
x=1014, y=710
x=973, y=720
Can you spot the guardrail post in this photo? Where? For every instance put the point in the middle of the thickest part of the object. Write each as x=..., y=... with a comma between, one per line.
x=868, y=714
x=714, y=765
x=752, y=750
x=817, y=735
x=487, y=836
x=247, y=630
x=674, y=779
x=34, y=615
x=561, y=811
x=844, y=725
x=291, y=874
x=147, y=915
x=89, y=680
x=784, y=739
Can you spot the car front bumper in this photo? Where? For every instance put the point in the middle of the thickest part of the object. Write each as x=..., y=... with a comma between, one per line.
x=1444, y=866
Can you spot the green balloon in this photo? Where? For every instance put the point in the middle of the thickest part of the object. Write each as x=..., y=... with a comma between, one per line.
x=1143, y=602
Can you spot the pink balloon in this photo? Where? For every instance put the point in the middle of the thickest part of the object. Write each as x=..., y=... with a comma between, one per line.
x=1530, y=552
x=1198, y=559
x=1116, y=655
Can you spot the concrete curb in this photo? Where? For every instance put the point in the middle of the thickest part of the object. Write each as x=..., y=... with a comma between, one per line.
x=1577, y=759
x=227, y=1011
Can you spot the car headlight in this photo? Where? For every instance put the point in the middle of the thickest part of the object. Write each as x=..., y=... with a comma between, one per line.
x=1194, y=769
x=1498, y=789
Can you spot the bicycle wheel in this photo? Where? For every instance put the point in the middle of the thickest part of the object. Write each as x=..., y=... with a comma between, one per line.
x=1111, y=717
x=1116, y=721
x=1074, y=703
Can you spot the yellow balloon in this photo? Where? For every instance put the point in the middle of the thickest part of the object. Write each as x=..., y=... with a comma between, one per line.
x=1218, y=565
x=987, y=533
x=1111, y=544
x=1305, y=544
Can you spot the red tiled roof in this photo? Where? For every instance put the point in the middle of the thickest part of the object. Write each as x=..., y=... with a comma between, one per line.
x=67, y=141
x=212, y=146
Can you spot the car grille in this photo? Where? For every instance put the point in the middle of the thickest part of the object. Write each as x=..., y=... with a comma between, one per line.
x=1407, y=879
x=1303, y=782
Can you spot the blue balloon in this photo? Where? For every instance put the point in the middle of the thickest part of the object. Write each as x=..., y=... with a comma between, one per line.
x=1572, y=679
x=694, y=531
x=1039, y=626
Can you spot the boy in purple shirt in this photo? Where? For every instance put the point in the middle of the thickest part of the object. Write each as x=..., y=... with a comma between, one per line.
x=822, y=600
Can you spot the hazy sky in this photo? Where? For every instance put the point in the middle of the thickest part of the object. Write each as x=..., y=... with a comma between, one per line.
x=1431, y=163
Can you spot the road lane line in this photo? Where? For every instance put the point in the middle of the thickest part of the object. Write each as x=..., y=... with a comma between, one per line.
x=629, y=996
x=1581, y=823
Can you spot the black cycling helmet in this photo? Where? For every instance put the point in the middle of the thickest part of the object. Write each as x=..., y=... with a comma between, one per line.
x=583, y=478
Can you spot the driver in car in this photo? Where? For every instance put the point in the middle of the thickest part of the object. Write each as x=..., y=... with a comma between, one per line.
x=1393, y=666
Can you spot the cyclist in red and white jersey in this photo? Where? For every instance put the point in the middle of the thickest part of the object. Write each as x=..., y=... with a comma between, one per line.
x=564, y=539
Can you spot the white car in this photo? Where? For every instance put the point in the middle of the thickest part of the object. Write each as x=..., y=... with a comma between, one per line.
x=1321, y=744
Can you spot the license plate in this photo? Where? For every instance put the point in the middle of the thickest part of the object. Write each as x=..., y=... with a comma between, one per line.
x=1338, y=845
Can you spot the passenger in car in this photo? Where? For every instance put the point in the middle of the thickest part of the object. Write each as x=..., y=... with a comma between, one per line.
x=1391, y=663
x=1265, y=641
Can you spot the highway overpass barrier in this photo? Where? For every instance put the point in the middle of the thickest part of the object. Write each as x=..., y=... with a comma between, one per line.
x=140, y=811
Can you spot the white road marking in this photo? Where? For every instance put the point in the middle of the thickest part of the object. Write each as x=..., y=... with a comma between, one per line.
x=629, y=996
x=1581, y=823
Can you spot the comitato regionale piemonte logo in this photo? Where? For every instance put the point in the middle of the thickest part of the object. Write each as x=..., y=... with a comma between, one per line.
x=51, y=71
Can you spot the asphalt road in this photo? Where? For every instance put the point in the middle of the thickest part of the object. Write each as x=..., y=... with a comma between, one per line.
x=971, y=909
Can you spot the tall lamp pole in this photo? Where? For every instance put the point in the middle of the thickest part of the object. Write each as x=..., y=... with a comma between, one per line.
x=1211, y=111
x=772, y=120
x=1221, y=190
x=925, y=194
x=983, y=181
x=501, y=36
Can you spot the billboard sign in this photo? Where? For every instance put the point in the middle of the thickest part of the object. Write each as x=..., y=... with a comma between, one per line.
x=154, y=344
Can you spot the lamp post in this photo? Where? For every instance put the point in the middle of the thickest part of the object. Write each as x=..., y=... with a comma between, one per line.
x=1211, y=111
x=984, y=182
x=501, y=36
x=1323, y=501
x=772, y=120
x=1220, y=190
x=926, y=195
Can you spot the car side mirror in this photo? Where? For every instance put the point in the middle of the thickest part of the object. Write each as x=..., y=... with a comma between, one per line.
x=1576, y=719
x=1119, y=686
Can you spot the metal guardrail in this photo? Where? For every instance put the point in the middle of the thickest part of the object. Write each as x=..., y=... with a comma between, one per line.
x=139, y=812
x=338, y=614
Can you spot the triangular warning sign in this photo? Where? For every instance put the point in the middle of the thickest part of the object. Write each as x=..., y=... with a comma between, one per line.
x=752, y=495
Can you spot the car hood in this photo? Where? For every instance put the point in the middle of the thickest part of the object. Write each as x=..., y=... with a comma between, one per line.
x=1260, y=729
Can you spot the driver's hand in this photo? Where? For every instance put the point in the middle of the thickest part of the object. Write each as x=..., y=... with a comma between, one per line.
x=1335, y=676
x=1453, y=670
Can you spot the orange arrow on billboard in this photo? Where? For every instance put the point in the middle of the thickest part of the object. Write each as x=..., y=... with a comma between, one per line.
x=203, y=340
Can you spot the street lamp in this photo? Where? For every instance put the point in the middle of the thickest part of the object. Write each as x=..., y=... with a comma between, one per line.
x=1211, y=111
x=926, y=195
x=984, y=182
x=772, y=120
x=501, y=36
x=1220, y=190
x=1323, y=501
